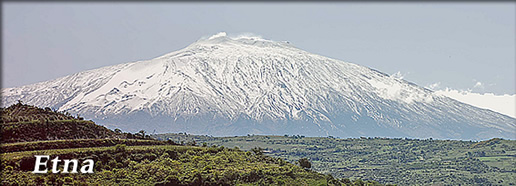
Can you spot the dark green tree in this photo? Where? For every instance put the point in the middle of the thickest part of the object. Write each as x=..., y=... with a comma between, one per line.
x=257, y=151
x=303, y=162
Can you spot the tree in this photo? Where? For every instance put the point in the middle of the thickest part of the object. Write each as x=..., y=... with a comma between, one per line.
x=141, y=134
x=120, y=147
x=303, y=162
x=257, y=150
x=191, y=143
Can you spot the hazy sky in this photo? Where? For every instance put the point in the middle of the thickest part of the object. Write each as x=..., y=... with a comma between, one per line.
x=459, y=45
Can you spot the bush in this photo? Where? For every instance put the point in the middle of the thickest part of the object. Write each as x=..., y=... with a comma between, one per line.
x=303, y=162
x=120, y=147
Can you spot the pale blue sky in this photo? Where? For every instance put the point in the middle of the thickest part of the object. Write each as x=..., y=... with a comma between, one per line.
x=456, y=44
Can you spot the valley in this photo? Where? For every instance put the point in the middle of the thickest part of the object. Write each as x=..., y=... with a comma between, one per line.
x=387, y=160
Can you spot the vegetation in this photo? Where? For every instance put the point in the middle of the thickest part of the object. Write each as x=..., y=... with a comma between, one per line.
x=78, y=143
x=19, y=113
x=120, y=160
x=303, y=162
x=391, y=161
x=21, y=122
x=24, y=123
x=166, y=165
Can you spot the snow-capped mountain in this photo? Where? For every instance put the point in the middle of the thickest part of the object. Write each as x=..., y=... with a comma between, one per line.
x=247, y=85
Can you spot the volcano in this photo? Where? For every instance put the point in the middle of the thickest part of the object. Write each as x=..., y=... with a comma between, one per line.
x=248, y=85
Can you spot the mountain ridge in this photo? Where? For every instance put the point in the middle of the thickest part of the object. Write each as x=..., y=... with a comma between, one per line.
x=235, y=86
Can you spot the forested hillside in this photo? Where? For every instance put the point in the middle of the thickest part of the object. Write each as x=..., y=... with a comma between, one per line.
x=21, y=123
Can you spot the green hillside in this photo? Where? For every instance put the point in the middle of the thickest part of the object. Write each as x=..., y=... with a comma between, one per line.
x=22, y=123
x=399, y=161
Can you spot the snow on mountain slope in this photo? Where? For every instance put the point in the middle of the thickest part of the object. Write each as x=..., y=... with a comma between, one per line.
x=235, y=86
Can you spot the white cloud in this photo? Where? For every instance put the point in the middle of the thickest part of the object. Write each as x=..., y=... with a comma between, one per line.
x=399, y=75
x=505, y=104
x=247, y=35
x=478, y=85
x=220, y=34
x=433, y=86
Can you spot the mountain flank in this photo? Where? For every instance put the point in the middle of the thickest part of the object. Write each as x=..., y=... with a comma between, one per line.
x=248, y=85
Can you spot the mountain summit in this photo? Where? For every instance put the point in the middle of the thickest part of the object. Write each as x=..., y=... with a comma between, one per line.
x=248, y=85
